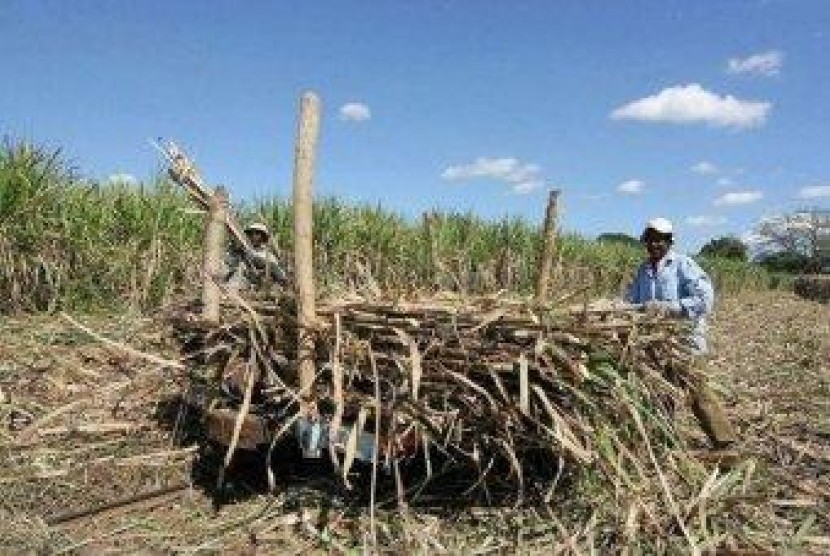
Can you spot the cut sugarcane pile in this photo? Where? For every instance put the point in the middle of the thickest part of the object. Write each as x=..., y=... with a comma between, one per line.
x=484, y=382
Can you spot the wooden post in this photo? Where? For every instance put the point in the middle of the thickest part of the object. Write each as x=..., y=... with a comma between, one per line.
x=308, y=128
x=214, y=254
x=548, y=246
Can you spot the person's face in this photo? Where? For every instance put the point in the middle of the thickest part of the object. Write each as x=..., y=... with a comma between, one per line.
x=257, y=239
x=657, y=245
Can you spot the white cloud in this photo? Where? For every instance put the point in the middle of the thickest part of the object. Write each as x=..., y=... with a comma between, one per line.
x=814, y=192
x=521, y=176
x=705, y=168
x=688, y=104
x=725, y=182
x=704, y=220
x=766, y=64
x=355, y=112
x=739, y=198
x=122, y=177
x=631, y=187
x=526, y=187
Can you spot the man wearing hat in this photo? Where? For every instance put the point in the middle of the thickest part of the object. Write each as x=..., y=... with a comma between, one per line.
x=249, y=268
x=255, y=267
x=673, y=285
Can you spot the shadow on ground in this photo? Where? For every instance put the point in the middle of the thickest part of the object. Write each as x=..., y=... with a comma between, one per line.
x=444, y=486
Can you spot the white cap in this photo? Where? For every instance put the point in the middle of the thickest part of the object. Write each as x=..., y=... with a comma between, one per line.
x=258, y=227
x=660, y=225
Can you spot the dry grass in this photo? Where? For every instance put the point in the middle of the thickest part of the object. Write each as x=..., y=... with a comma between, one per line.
x=72, y=396
x=772, y=354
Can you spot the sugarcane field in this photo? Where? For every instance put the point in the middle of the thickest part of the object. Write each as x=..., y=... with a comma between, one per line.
x=433, y=403
x=439, y=277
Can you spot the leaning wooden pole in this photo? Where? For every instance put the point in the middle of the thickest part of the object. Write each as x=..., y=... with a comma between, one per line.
x=308, y=128
x=548, y=246
x=214, y=252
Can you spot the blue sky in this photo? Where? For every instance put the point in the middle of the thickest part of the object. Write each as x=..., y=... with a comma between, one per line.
x=713, y=114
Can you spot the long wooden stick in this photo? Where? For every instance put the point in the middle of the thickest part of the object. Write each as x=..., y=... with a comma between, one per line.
x=307, y=132
x=549, y=246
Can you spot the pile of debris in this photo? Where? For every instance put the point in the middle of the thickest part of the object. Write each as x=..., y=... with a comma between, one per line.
x=480, y=383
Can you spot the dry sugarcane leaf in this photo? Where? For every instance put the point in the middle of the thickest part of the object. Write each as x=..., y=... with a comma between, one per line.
x=467, y=382
x=425, y=442
x=566, y=338
x=562, y=431
x=524, y=386
x=416, y=370
x=488, y=319
x=337, y=389
x=351, y=443
x=499, y=384
x=515, y=465
x=240, y=419
x=577, y=373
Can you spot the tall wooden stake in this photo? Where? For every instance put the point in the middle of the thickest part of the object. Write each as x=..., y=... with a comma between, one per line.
x=214, y=253
x=548, y=247
x=308, y=128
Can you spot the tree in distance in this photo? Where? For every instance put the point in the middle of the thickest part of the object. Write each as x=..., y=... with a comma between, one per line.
x=796, y=242
x=614, y=237
x=726, y=247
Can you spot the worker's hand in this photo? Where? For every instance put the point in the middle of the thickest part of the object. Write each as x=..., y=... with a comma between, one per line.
x=662, y=309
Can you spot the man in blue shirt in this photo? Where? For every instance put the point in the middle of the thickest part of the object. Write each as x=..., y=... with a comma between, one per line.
x=671, y=284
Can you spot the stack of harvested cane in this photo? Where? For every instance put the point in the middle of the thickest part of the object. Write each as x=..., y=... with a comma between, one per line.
x=486, y=381
x=483, y=382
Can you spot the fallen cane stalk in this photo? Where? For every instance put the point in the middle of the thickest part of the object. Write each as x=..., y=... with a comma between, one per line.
x=160, y=494
x=123, y=347
x=240, y=419
x=662, y=478
x=372, y=524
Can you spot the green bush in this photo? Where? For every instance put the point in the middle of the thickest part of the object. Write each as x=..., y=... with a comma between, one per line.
x=789, y=262
x=725, y=247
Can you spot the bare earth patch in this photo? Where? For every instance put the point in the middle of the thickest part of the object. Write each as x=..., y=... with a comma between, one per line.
x=772, y=357
x=82, y=427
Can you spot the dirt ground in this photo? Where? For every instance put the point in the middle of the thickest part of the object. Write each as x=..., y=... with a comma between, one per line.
x=771, y=357
x=84, y=426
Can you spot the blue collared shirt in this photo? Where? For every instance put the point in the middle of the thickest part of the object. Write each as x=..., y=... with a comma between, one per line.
x=679, y=280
